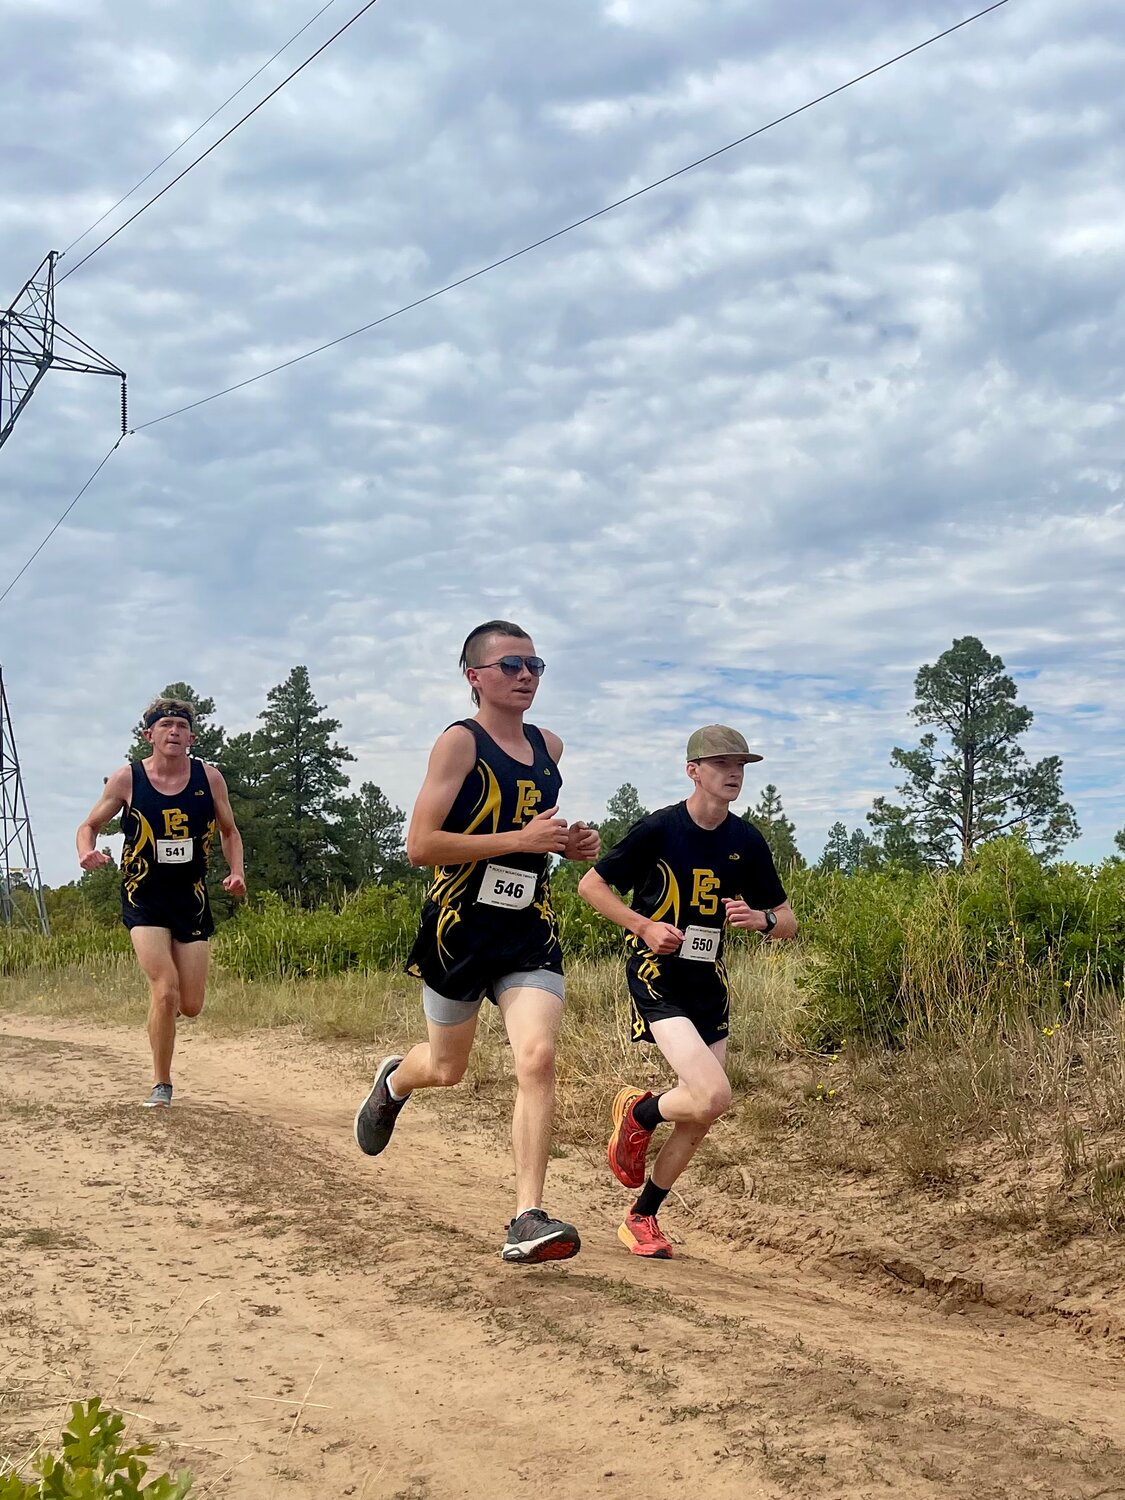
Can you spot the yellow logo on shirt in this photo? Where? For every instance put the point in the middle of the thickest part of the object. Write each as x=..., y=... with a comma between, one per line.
x=175, y=823
x=704, y=885
x=528, y=798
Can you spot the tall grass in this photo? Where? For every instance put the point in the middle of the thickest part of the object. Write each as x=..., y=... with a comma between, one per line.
x=885, y=957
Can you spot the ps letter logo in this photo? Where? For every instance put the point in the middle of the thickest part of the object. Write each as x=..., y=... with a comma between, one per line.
x=528, y=798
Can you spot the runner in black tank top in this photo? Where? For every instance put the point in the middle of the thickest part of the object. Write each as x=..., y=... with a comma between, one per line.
x=164, y=862
x=486, y=819
x=170, y=806
x=487, y=918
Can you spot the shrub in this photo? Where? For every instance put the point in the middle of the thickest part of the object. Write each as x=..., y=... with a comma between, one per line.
x=94, y=1465
x=900, y=955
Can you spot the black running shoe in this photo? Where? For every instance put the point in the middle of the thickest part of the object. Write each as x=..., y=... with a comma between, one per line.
x=375, y=1118
x=534, y=1238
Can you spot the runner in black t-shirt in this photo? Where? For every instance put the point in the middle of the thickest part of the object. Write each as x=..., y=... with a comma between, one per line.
x=691, y=868
x=486, y=818
x=171, y=805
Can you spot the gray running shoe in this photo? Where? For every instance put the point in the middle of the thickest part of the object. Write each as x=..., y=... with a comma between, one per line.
x=534, y=1238
x=160, y=1098
x=375, y=1118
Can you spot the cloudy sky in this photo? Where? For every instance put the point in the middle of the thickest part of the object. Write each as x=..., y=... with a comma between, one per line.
x=753, y=448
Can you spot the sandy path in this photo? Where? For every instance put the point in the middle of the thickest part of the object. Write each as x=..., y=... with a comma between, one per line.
x=208, y=1268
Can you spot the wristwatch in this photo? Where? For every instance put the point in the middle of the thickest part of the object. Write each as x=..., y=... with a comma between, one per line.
x=771, y=920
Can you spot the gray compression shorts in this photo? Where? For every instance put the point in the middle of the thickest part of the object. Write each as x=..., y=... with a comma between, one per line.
x=445, y=1012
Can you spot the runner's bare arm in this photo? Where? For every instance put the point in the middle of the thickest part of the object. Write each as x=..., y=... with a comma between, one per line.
x=583, y=842
x=658, y=937
x=229, y=836
x=427, y=843
x=114, y=796
x=741, y=915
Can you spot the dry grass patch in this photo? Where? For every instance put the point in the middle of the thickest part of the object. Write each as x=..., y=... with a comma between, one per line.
x=1019, y=1123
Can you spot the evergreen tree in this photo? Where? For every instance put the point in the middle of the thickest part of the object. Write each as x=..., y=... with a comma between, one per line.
x=621, y=811
x=768, y=817
x=980, y=784
x=1119, y=840
x=100, y=894
x=859, y=852
x=371, y=837
x=894, y=844
x=296, y=781
x=835, y=855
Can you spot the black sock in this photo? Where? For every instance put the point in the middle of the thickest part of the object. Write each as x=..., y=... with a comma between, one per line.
x=647, y=1112
x=651, y=1200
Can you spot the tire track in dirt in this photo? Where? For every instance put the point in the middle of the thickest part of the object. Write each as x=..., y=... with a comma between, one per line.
x=439, y=1372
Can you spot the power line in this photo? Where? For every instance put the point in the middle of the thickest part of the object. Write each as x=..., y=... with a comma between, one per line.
x=567, y=229
x=225, y=136
x=62, y=518
x=201, y=126
x=494, y=265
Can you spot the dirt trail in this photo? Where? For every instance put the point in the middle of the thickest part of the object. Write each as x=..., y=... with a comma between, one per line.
x=212, y=1268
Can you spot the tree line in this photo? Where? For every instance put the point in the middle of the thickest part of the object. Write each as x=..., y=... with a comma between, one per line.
x=308, y=833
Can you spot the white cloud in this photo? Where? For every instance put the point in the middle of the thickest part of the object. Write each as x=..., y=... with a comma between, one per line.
x=756, y=446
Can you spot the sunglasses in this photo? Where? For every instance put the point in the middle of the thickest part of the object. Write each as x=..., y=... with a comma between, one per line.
x=511, y=665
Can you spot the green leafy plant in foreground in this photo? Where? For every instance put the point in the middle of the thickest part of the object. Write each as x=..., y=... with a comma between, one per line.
x=93, y=1465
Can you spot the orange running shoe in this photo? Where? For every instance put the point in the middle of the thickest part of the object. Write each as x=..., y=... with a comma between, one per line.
x=628, y=1145
x=641, y=1233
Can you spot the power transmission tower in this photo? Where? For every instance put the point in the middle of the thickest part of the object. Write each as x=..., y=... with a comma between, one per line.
x=33, y=341
x=21, y=889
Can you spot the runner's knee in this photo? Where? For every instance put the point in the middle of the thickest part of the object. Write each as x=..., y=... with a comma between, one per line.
x=535, y=1063
x=166, y=993
x=449, y=1071
x=190, y=1007
x=711, y=1102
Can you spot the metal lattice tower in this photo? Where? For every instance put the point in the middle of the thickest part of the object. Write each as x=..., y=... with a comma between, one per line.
x=21, y=889
x=33, y=341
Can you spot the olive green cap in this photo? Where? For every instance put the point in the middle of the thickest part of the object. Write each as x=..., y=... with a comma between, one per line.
x=717, y=739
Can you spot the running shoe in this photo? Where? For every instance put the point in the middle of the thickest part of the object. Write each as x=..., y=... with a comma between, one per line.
x=160, y=1098
x=628, y=1145
x=375, y=1118
x=534, y=1238
x=641, y=1233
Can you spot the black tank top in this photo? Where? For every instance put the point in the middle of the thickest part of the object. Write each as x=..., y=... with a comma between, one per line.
x=167, y=840
x=499, y=795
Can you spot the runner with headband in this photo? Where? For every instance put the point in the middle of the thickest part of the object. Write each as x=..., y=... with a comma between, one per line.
x=170, y=806
x=487, y=819
x=692, y=868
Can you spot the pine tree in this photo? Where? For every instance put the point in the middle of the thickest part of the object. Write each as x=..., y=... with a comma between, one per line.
x=621, y=811
x=835, y=855
x=980, y=784
x=768, y=817
x=295, y=770
x=371, y=837
x=859, y=852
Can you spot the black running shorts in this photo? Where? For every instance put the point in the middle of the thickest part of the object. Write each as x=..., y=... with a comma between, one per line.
x=702, y=997
x=197, y=927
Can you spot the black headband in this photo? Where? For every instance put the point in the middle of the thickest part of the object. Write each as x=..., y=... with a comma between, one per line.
x=157, y=714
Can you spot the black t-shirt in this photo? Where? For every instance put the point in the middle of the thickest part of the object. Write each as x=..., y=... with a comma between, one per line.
x=680, y=873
